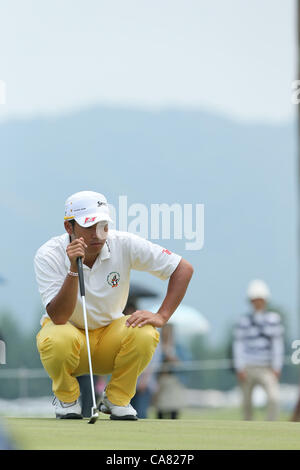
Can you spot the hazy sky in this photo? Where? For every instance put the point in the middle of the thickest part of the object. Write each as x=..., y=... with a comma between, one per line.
x=233, y=56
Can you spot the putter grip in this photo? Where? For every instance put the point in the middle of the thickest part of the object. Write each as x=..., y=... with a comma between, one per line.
x=80, y=275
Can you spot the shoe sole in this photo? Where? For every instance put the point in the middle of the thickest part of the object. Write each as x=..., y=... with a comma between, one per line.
x=69, y=416
x=106, y=411
x=124, y=418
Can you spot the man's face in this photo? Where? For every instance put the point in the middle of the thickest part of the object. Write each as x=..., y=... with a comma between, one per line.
x=89, y=234
x=258, y=304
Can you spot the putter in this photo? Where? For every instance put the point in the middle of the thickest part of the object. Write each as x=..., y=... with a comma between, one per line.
x=94, y=412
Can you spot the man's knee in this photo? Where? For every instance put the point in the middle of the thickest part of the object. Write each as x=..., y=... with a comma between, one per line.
x=273, y=396
x=146, y=338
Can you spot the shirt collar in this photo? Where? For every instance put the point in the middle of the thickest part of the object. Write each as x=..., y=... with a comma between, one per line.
x=105, y=252
x=258, y=316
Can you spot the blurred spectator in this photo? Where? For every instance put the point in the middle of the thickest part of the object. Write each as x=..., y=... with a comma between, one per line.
x=258, y=350
x=6, y=440
x=86, y=394
x=296, y=412
x=146, y=386
x=100, y=385
x=86, y=399
x=169, y=397
x=130, y=307
x=158, y=384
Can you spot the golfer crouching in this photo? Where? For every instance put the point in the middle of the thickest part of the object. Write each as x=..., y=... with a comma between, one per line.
x=119, y=345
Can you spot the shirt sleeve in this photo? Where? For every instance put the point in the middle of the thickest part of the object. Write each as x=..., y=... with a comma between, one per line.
x=277, y=353
x=275, y=329
x=49, y=277
x=155, y=259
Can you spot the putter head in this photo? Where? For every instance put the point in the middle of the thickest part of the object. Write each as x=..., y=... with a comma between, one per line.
x=94, y=416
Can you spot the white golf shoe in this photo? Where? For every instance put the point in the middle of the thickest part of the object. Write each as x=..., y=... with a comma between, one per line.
x=67, y=410
x=116, y=411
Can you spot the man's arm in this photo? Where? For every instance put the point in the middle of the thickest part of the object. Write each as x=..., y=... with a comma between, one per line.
x=177, y=287
x=63, y=304
x=238, y=358
x=277, y=348
x=238, y=350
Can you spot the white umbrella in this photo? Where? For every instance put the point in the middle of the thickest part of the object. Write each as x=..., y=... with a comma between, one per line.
x=187, y=321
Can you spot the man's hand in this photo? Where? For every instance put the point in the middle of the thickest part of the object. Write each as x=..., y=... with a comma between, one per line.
x=144, y=317
x=276, y=373
x=76, y=249
x=241, y=375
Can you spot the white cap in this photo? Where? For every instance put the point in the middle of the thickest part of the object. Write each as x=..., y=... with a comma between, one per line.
x=258, y=289
x=87, y=208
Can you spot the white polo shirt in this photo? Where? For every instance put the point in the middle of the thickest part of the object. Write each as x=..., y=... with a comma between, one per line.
x=107, y=282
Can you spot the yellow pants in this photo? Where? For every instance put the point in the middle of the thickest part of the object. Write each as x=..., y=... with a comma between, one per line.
x=116, y=349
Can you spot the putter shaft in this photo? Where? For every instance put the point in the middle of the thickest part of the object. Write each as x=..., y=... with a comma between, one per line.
x=94, y=414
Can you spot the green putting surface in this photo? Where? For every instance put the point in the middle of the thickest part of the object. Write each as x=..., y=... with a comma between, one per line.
x=48, y=433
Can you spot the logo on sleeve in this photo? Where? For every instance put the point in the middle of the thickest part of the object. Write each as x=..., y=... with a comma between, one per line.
x=113, y=279
x=167, y=251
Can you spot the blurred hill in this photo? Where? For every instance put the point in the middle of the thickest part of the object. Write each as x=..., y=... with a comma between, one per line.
x=244, y=174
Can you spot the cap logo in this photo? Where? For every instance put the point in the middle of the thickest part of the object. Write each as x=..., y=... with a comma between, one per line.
x=89, y=219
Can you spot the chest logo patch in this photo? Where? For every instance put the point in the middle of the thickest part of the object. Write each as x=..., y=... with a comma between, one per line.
x=113, y=279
